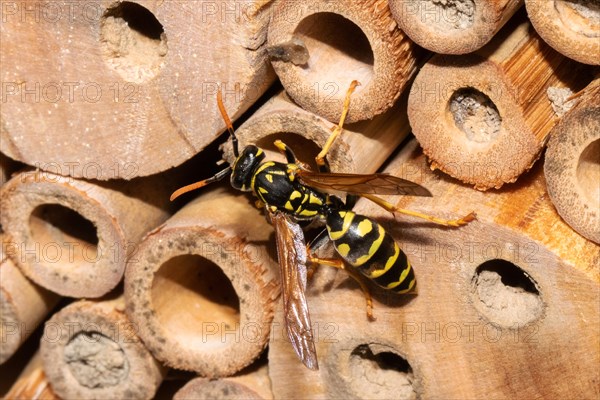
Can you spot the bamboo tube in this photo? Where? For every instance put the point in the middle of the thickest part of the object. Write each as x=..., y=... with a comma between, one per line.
x=452, y=27
x=90, y=350
x=24, y=305
x=73, y=236
x=571, y=27
x=32, y=383
x=130, y=100
x=572, y=165
x=252, y=384
x=361, y=148
x=346, y=41
x=201, y=288
x=484, y=118
x=496, y=301
x=7, y=167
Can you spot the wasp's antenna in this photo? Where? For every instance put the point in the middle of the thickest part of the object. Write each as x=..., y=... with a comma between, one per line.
x=234, y=140
x=217, y=177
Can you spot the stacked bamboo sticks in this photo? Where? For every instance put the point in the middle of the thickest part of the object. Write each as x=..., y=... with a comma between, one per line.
x=200, y=280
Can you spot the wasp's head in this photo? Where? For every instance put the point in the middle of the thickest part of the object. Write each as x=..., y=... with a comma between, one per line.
x=244, y=167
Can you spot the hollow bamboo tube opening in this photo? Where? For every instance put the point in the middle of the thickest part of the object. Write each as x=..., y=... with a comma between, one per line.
x=73, y=236
x=202, y=288
x=91, y=350
x=454, y=26
x=572, y=165
x=485, y=117
x=571, y=27
x=379, y=56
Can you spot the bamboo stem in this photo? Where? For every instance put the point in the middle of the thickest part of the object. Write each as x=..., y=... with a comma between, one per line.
x=572, y=165
x=452, y=27
x=202, y=286
x=73, y=236
x=139, y=92
x=361, y=148
x=24, y=305
x=32, y=383
x=484, y=118
x=570, y=27
x=346, y=41
x=90, y=350
x=493, y=301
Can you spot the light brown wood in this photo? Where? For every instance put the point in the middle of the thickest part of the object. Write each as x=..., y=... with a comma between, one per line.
x=202, y=287
x=73, y=236
x=570, y=27
x=361, y=148
x=24, y=305
x=346, y=41
x=248, y=384
x=572, y=165
x=498, y=301
x=125, y=89
x=32, y=383
x=91, y=350
x=484, y=118
x=455, y=26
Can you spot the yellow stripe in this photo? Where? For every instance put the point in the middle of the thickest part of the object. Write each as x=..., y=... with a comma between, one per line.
x=308, y=213
x=348, y=217
x=269, y=177
x=261, y=168
x=374, y=247
x=343, y=249
x=410, y=287
x=288, y=206
x=315, y=200
x=378, y=272
x=364, y=227
x=295, y=194
x=401, y=279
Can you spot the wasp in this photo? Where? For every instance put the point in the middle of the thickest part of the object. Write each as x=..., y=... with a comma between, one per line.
x=291, y=193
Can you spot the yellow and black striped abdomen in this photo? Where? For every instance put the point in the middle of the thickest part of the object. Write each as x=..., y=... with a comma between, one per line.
x=367, y=247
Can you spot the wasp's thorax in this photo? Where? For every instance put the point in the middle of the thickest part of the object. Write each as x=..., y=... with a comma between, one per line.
x=244, y=167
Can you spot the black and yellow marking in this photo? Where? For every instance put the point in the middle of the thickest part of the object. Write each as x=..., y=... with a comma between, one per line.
x=365, y=245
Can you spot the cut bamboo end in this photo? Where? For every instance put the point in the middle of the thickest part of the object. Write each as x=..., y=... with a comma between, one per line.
x=361, y=148
x=253, y=384
x=130, y=100
x=572, y=165
x=509, y=281
x=570, y=27
x=452, y=27
x=202, y=286
x=379, y=56
x=485, y=120
x=32, y=383
x=23, y=305
x=72, y=236
x=90, y=350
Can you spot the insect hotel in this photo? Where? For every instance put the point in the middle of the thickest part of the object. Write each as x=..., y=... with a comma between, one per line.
x=274, y=199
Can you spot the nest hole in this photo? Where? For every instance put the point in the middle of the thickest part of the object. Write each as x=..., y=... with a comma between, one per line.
x=378, y=372
x=95, y=360
x=133, y=41
x=334, y=59
x=206, y=308
x=62, y=236
x=448, y=14
x=581, y=16
x=588, y=171
x=305, y=149
x=475, y=115
x=506, y=295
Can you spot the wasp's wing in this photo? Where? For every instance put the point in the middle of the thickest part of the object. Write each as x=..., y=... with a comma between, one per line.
x=359, y=183
x=291, y=251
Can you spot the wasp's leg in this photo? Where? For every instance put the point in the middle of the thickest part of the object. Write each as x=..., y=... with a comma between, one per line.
x=445, y=222
x=289, y=155
x=338, y=263
x=320, y=159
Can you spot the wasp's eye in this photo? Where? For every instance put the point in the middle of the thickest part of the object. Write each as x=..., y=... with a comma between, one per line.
x=244, y=167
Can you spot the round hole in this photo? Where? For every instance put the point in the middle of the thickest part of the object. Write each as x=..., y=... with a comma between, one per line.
x=64, y=237
x=387, y=374
x=505, y=294
x=581, y=16
x=475, y=115
x=133, y=42
x=588, y=171
x=305, y=149
x=206, y=308
x=95, y=360
x=338, y=52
